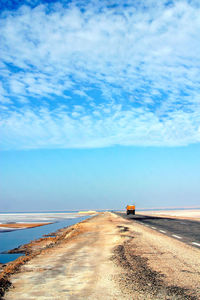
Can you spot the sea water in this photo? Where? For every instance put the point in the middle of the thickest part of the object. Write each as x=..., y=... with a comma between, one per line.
x=14, y=239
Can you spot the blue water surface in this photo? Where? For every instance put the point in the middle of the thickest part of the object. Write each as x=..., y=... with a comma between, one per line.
x=14, y=239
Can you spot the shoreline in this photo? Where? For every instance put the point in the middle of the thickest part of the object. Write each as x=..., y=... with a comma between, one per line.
x=116, y=258
x=31, y=250
x=12, y=239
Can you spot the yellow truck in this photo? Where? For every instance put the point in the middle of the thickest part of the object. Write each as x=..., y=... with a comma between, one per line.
x=130, y=209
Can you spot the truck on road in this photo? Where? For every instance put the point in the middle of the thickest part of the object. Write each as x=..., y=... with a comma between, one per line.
x=130, y=209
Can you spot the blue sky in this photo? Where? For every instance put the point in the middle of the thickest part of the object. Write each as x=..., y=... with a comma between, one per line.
x=89, y=84
x=100, y=178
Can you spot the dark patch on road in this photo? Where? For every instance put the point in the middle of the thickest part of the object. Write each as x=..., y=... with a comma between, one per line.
x=4, y=286
x=123, y=228
x=139, y=278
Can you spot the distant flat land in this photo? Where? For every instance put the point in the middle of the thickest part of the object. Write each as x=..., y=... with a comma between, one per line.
x=182, y=213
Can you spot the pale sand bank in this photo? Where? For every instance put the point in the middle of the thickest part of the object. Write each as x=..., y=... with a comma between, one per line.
x=186, y=213
x=89, y=212
x=16, y=226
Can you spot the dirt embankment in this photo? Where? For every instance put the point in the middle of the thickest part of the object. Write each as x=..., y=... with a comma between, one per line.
x=105, y=257
x=31, y=250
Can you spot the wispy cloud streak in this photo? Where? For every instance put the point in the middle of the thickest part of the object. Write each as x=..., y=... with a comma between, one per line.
x=89, y=75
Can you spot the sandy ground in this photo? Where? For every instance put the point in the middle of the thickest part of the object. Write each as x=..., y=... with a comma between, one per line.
x=186, y=213
x=21, y=225
x=106, y=257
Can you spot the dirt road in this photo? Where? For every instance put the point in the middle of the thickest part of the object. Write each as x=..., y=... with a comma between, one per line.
x=108, y=257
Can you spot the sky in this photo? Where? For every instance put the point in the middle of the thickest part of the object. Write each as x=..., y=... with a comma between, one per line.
x=100, y=104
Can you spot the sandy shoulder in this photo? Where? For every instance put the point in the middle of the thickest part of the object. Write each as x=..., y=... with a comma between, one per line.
x=191, y=214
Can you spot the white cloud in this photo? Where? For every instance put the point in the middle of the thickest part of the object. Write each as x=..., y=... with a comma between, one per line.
x=105, y=76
